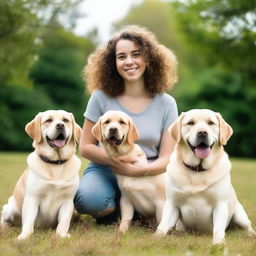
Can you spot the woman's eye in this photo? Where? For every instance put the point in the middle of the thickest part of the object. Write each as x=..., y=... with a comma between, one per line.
x=136, y=55
x=121, y=57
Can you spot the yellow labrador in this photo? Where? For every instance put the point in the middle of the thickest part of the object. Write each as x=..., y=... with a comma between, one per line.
x=116, y=132
x=198, y=187
x=43, y=195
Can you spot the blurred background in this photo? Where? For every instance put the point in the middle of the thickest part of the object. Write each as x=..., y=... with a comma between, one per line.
x=44, y=45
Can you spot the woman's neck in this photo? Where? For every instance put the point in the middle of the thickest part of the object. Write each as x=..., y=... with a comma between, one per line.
x=135, y=89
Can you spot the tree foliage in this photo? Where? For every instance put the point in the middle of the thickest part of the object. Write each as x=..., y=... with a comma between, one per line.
x=21, y=25
x=58, y=71
x=40, y=66
x=224, y=30
x=17, y=31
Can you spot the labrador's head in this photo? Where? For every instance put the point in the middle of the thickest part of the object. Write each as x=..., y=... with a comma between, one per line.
x=116, y=129
x=201, y=131
x=54, y=129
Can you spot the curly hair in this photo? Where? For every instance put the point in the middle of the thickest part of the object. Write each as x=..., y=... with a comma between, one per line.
x=160, y=72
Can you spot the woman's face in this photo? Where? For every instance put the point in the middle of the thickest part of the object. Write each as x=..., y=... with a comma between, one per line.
x=130, y=62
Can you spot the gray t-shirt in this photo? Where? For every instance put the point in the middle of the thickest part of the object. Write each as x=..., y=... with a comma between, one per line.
x=158, y=116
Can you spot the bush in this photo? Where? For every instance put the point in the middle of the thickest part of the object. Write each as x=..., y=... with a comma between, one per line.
x=18, y=106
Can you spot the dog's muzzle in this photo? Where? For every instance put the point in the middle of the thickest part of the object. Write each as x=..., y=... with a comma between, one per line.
x=202, y=149
x=60, y=139
x=112, y=137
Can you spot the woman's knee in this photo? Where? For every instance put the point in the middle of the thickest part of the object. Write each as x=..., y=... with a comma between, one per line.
x=94, y=204
x=98, y=192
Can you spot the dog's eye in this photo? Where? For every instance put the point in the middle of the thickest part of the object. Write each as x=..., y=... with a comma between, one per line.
x=48, y=120
x=65, y=120
x=211, y=123
x=106, y=122
x=121, y=122
x=191, y=123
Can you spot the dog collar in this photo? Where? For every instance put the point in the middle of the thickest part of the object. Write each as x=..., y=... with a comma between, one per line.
x=197, y=168
x=57, y=162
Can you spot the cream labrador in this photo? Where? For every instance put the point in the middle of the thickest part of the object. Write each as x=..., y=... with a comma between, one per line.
x=117, y=133
x=43, y=195
x=198, y=186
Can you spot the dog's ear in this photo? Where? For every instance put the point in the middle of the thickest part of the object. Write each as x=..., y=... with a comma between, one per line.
x=175, y=128
x=133, y=133
x=225, y=130
x=96, y=130
x=33, y=128
x=76, y=130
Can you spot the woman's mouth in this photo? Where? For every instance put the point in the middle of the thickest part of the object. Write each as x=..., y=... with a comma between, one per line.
x=130, y=70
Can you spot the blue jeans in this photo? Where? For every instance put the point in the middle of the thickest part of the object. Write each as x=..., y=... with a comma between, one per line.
x=97, y=191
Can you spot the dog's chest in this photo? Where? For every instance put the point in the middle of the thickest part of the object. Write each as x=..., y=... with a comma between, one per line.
x=51, y=195
x=196, y=212
x=55, y=189
x=197, y=206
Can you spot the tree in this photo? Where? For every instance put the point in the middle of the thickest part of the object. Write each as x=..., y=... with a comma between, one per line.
x=58, y=71
x=155, y=15
x=21, y=25
x=219, y=29
x=17, y=31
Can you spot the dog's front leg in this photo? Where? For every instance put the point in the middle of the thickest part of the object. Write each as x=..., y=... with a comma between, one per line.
x=127, y=212
x=220, y=219
x=64, y=218
x=169, y=218
x=29, y=213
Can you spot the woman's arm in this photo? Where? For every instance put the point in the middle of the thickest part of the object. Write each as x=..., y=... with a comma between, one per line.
x=140, y=168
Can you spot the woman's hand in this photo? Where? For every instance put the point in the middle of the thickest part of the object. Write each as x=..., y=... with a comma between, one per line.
x=130, y=166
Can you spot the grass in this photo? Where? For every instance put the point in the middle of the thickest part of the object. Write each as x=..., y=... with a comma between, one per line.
x=87, y=238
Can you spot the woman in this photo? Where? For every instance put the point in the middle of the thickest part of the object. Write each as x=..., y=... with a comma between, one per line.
x=130, y=74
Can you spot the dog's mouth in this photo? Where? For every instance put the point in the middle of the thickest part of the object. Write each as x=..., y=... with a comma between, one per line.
x=59, y=142
x=112, y=140
x=202, y=150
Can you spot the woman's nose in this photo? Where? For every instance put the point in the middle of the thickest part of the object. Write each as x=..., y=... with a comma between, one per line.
x=129, y=60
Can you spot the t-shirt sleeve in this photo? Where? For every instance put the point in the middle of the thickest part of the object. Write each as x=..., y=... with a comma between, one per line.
x=171, y=113
x=94, y=107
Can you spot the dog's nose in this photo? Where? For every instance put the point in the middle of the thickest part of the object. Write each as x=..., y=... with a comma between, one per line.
x=113, y=130
x=59, y=126
x=202, y=134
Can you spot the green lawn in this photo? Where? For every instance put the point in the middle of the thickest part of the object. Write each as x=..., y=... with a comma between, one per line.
x=87, y=238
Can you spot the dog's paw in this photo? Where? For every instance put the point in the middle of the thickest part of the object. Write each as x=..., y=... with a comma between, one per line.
x=21, y=237
x=124, y=226
x=218, y=242
x=251, y=233
x=64, y=235
x=159, y=233
x=3, y=227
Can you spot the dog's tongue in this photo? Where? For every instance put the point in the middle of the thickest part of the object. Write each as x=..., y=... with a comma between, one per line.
x=202, y=152
x=59, y=143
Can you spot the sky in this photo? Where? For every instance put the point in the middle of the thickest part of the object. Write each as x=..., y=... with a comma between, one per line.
x=101, y=14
